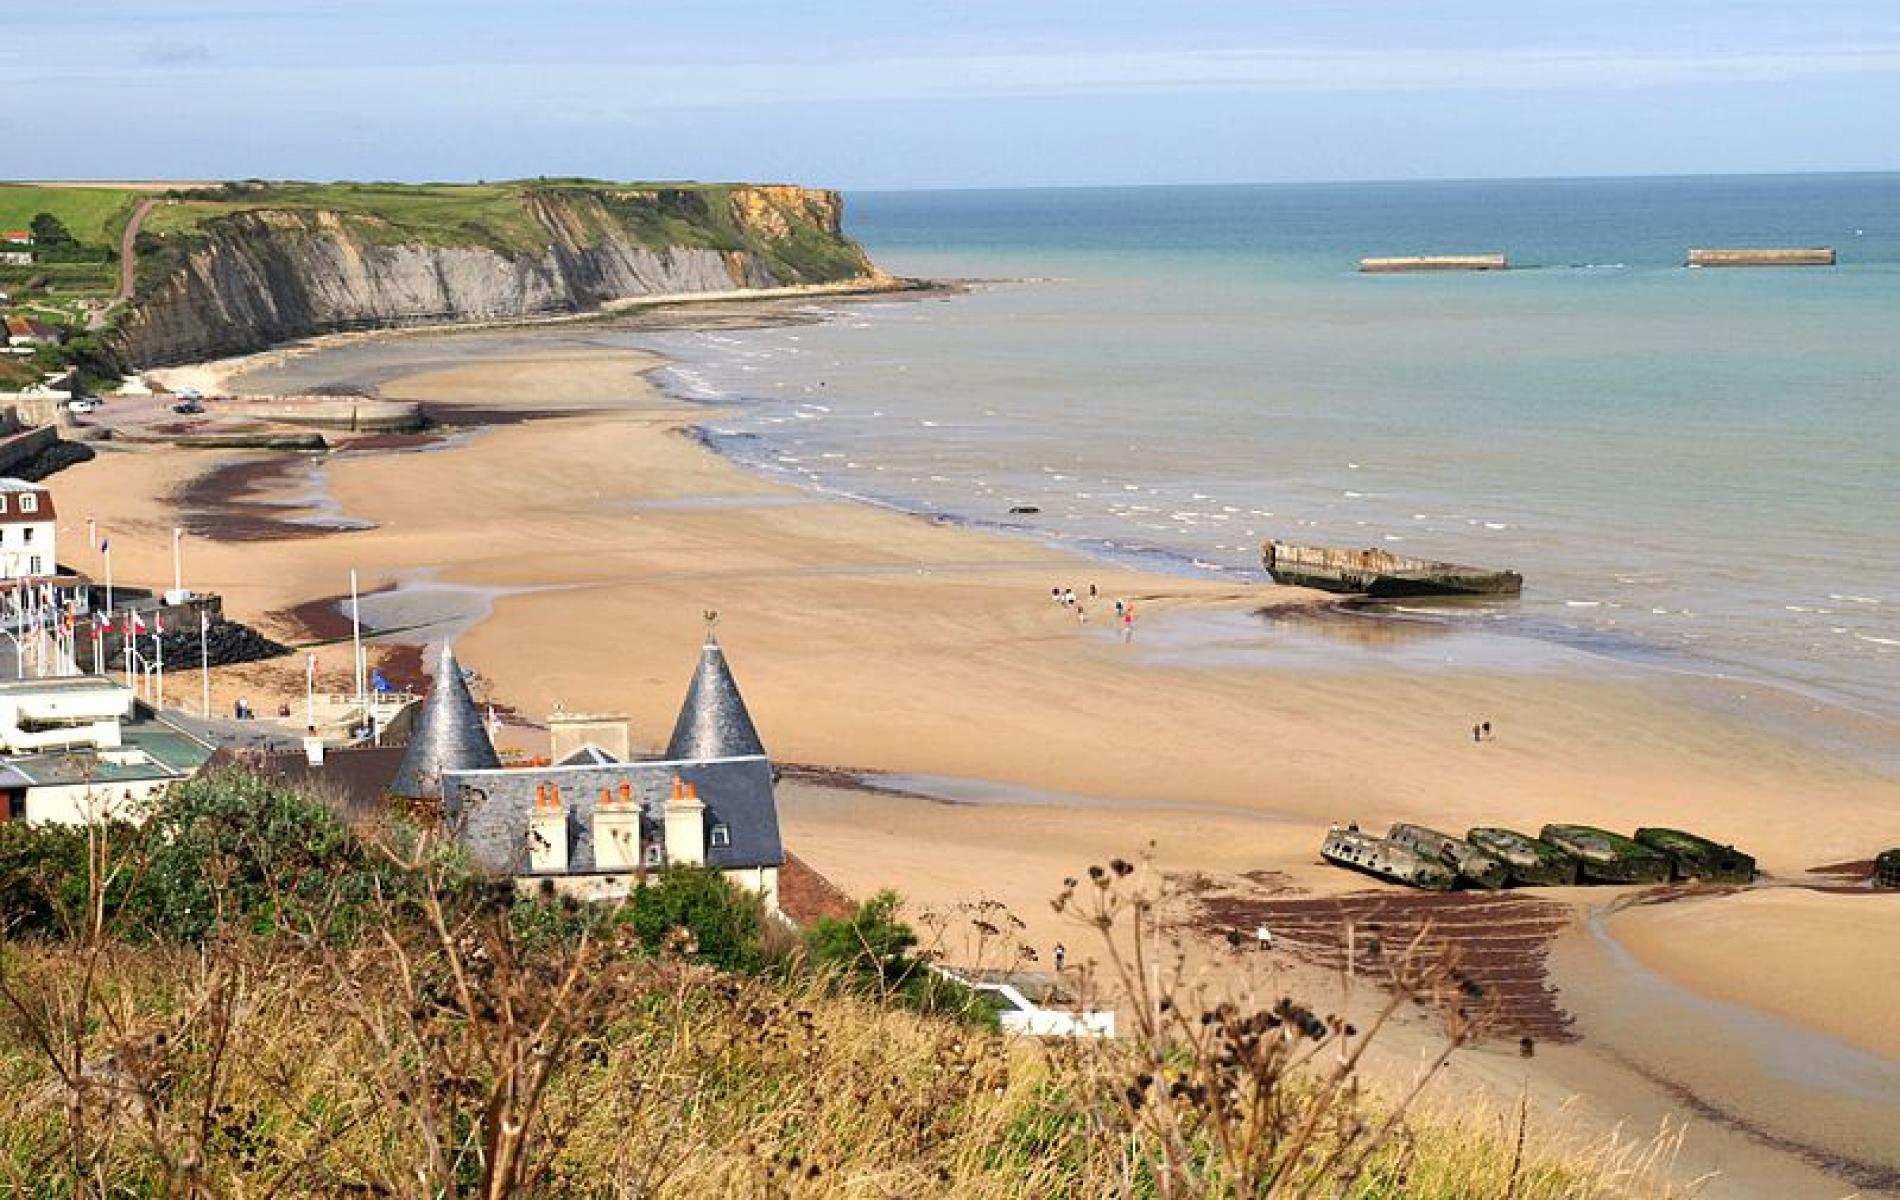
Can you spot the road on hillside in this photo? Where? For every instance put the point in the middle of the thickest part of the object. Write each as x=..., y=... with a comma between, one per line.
x=131, y=235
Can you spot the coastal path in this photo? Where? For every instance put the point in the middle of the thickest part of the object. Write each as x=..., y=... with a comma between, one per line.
x=127, y=265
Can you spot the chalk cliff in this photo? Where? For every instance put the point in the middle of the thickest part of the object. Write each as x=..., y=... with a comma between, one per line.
x=245, y=277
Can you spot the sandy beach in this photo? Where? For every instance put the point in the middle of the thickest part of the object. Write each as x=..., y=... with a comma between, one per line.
x=573, y=555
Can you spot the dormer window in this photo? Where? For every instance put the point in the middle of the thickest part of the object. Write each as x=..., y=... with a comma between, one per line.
x=719, y=837
x=29, y=502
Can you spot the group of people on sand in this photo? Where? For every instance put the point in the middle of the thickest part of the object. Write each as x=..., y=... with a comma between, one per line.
x=1124, y=609
x=1481, y=732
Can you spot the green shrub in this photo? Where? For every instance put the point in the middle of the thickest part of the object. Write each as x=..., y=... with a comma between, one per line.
x=722, y=922
x=875, y=953
x=42, y=877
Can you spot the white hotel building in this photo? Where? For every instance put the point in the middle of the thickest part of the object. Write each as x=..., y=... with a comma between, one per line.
x=28, y=529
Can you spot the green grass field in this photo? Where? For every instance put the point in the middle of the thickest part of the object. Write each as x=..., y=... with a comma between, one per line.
x=456, y=214
x=452, y=214
x=94, y=215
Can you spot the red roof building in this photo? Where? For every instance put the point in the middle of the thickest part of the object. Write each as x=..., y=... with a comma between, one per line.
x=17, y=237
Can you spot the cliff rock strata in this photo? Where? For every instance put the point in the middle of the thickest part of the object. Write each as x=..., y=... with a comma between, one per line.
x=247, y=280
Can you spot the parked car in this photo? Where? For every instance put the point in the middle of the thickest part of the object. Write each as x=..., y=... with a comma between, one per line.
x=188, y=408
x=189, y=394
x=82, y=407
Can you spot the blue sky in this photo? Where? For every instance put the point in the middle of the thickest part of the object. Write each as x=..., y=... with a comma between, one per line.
x=947, y=93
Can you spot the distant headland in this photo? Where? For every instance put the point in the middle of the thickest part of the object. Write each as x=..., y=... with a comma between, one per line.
x=134, y=275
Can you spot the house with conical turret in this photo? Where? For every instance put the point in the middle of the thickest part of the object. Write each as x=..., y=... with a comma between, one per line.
x=448, y=736
x=591, y=822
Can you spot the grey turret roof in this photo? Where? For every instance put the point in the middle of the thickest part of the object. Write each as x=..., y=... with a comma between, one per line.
x=713, y=723
x=449, y=736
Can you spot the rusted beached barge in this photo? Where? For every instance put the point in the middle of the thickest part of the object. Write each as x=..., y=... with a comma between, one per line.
x=1379, y=573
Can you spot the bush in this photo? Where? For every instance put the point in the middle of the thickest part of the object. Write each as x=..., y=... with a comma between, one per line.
x=875, y=953
x=234, y=848
x=226, y=849
x=721, y=922
x=42, y=877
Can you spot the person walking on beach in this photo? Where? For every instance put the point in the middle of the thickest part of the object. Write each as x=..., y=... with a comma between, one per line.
x=1487, y=730
x=1119, y=606
x=1092, y=592
x=1477, y=733
x=1061, y=956
x=1055, y=594
x=1068, y=597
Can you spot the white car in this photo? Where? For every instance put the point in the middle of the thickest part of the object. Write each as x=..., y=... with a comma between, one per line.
x=82, y=407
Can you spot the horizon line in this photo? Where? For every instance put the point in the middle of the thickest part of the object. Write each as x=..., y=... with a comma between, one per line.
x=174, y=182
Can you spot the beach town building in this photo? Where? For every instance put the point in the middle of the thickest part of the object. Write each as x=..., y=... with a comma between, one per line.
x=79, y=748
x=29, y=529
x=593, y=821
x=26, y=331
x=17, y=237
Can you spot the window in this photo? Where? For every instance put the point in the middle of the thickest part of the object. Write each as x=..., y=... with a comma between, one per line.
x=29, y=502
x=26, y=534
x=656, y=857
x=34, y=567
x=720, y=837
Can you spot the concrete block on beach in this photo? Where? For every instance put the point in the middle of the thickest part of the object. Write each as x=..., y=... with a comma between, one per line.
x=1406, y=264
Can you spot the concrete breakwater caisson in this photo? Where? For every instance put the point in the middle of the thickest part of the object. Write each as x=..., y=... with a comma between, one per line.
x=1409, y=263
x=1764, y=256
x=1381, y=574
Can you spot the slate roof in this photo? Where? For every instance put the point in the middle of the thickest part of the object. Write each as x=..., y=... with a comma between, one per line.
x=713, y=723
x=355, y=779
x=492, y=808
x=589, y=755
x=11, y=509
x=449, y=736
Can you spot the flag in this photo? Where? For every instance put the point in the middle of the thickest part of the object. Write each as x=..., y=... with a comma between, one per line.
x=158, y=623
x=105, y=544
x=377, y=681
x=103, y=622
x=138, y=623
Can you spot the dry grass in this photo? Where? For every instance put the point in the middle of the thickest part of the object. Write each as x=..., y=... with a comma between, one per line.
x=441, y=1056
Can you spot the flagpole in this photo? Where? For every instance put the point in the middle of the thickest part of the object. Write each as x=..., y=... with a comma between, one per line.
x=178, y=564
x=204, y=658
x=310, y=693
x=158, y=653
x=131, y=643
x=356, y=645
x=106, y=549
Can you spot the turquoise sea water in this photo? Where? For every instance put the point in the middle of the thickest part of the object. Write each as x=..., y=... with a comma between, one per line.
x=1699, y=468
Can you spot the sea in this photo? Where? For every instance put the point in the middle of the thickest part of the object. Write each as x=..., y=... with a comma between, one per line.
x=1694, y=469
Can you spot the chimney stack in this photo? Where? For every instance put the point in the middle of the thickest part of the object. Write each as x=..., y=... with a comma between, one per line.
x=617, y=830
x=685, y=826
x=547, y=831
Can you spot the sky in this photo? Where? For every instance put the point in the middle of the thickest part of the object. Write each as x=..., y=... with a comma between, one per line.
x=868, y=94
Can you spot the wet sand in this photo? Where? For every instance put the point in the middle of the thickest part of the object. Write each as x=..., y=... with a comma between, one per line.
x=579, y=554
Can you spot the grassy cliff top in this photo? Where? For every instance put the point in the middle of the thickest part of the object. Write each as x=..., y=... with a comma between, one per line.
x=493, y=214
x=94, y=215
